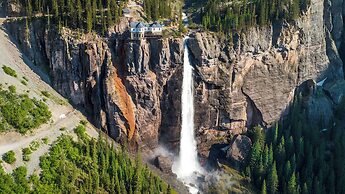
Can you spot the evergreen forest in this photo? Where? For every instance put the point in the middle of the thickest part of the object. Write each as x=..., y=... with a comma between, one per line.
x=227, y=16
x=84, y=166
x=296, y=157
x=88, y=15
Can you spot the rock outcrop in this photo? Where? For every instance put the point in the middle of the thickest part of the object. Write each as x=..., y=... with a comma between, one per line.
x=164, y=164
x=239, y=150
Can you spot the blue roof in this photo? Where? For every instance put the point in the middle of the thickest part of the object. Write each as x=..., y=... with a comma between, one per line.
x=137, y=25
x=126, y=10
x=155, y=25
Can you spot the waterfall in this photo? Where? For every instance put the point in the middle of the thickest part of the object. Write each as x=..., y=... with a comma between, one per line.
x=187, y=165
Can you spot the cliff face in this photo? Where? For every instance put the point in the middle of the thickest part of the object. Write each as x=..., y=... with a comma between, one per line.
x=120, y=84
x=252, y=80
x=132, y=88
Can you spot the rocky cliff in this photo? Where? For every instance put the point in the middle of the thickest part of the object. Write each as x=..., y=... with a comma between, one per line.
x=121, y=84
x=132, y=88
x=252, y=80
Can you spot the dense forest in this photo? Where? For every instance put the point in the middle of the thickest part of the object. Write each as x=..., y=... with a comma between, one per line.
x=228, y=16
x=157, y=9
x=84, y=166
x=88, y=15
x=296, y=157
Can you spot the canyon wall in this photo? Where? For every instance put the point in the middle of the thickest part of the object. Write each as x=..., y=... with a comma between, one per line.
x=120, y=84
x=132, y=89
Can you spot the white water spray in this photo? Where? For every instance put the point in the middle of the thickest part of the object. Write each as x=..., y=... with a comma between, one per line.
x=187, y=166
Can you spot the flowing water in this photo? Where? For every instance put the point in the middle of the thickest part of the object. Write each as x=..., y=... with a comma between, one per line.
x=187, y=166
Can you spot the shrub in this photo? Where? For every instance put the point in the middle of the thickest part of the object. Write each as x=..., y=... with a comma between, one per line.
x=63, y=129
x=12, y=89
x=25, y=78
x=26, y=154
x=21, y=112
x=83, y=122
x=45, y=140
x=9, y=157
x=45, y=93
x=24, y=82
x=80, y=130
x=9, y=71
x=34, y=145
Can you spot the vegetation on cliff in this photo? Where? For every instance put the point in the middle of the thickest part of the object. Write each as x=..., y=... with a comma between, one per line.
x=228, y=16
x=21, y=112
x=296, y=157
x=156, y=9
x=84, y=166
x=89, y=15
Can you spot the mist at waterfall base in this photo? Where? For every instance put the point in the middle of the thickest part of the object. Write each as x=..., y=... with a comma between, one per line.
x=187, y=166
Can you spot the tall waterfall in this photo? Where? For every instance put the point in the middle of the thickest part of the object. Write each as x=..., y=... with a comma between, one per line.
x=187, y=165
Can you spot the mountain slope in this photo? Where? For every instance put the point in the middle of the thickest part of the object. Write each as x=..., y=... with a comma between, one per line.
x=63, y=114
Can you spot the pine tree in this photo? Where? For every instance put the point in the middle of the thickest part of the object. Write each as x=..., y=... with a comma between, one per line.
x=109, y=15
x=79, y=14
x=292, y=184
x=94, y=13
x=305, y=189
x=88, y=16
x=55, y=9
x=263, y=188
x=272, y=179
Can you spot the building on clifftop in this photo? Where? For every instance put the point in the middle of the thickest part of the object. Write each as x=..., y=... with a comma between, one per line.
x=141, y=30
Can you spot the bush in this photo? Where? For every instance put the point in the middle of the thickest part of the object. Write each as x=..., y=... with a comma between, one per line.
x=9, y=71
x=12, y=89
x=45, y=93
x=80, y=131
x=83, y=122
x=63, y=129
x=24, y=82
x=25, y=78
x=26, y=154
x=34, y=145
x=9, y=157
x=21, y=112
x=45, y=140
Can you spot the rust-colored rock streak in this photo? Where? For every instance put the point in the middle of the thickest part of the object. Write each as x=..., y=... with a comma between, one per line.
x=125, y=105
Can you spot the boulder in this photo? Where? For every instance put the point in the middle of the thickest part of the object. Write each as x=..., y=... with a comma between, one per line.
x=163, y=163
x=239, y=150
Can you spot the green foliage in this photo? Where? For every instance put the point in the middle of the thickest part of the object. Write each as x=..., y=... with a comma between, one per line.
x=24, y=82
x=9, y=157
x=157, y=9
x=21, y=112
x=45, y=140
x=34, y=145
x=9, y=71
x=85, y=166
x=80, y=131
x=12, y=89
x=228, y=16
x=45, y=93
x=263, y=188
x=63, y=129
x=95, y=15
x=26, y=154
x=83, y=122
x=26, y=79
x=297, y=158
